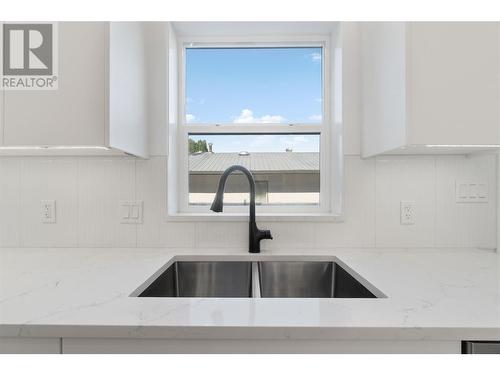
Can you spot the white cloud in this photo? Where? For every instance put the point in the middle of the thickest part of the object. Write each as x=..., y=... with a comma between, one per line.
x=299, y=139
x=315, y=56
x=315, y=118
x=291, y=142
x=246, y=117
x=190, y=117
x=271, y=119
x=261, y=141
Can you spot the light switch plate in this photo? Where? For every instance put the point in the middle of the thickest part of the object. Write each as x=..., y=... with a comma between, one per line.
x=48, y=211
x=471, y=192
x=131, y=212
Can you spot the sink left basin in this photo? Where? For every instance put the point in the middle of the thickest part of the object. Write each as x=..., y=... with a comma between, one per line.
x=203, y=279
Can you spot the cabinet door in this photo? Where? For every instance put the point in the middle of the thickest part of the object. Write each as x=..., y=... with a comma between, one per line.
x=255, y=346
x=75, y=113
x=1, y=104
x=1, y=115
x=454, y=83
x=30, y=345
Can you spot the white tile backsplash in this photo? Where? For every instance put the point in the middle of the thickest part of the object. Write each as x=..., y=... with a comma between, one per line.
x=405, y=179
x=482, y=216
x=10, y=196
x=465, y=224
x=102, y=184
x=87, y=191
x=151, y=176
x=451, y=218
x=358, y=227
x=222, y=235
x=288, y=235
x=48, y=179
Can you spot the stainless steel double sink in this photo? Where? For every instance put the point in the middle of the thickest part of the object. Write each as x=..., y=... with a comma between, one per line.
x=288, y=277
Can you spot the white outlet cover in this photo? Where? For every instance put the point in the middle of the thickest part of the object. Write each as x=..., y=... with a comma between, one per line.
x=48, y=211
x=407, y=212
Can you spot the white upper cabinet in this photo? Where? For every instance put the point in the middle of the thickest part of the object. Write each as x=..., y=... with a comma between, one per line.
x=430, y=87
x=1, y=114
x=99, y=105
x=75, y=113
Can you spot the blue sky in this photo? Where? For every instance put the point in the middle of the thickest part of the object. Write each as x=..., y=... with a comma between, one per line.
x=255, y=85
x=261, y=143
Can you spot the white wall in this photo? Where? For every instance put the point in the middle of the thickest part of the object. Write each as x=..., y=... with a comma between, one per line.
x=87, y=190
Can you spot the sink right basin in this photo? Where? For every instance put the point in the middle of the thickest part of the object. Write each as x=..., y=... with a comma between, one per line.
x=308, y=279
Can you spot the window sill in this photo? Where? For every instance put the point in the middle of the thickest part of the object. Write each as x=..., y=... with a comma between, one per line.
x=196, y=217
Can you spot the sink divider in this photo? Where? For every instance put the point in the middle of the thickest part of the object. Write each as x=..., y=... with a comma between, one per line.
x=332, y=286
x=177, y=290
x=255, y=280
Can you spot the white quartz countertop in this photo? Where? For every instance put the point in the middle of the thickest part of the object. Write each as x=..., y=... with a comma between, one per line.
x=450, y=294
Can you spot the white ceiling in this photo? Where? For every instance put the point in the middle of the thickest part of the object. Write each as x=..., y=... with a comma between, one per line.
x=219, y=29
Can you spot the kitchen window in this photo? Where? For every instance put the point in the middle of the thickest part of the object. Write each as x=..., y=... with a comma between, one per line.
x=260, y=105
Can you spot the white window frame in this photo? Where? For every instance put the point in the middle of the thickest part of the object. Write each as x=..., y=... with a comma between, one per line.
x=327, y=173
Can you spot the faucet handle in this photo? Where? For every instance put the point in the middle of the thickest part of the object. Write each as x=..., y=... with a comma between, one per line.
x=266, y=234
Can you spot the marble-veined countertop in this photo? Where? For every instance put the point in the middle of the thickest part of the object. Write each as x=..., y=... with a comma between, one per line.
x=432, y=294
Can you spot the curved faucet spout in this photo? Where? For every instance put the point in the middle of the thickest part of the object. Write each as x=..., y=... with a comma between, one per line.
x=255, y=234
x=217, y=204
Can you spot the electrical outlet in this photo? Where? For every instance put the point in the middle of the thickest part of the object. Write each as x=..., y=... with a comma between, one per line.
x=48, y=211
x=407, y=212
x=130, y=212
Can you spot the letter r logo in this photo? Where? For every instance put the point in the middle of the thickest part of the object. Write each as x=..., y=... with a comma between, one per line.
x=27, y=49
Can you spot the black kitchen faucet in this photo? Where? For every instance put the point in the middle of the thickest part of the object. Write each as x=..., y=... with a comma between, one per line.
x=255, y=234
